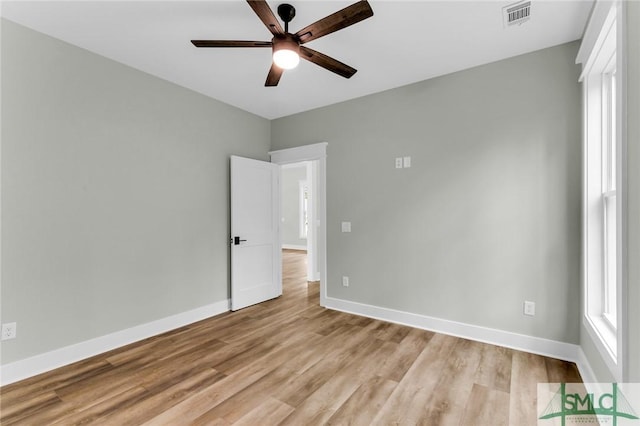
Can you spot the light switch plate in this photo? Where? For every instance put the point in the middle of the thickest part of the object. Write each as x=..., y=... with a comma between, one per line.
x=346, y=226
x=9, y=331
x=529, y=308
x=407, y=162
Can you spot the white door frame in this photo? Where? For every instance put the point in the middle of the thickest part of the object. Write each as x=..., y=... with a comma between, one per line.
x=314, y=152
x=312, y=245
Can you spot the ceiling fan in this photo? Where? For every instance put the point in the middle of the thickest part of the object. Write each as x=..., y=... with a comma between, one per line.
x=288, y=48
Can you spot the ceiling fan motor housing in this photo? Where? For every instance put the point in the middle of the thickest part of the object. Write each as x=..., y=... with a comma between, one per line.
x=286, y=42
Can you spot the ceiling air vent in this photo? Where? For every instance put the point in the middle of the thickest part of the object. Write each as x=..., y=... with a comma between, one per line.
x=516, y=13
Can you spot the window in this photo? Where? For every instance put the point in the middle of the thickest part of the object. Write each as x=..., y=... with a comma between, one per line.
x=304, y=205
x=602, y=220
x=609, y=216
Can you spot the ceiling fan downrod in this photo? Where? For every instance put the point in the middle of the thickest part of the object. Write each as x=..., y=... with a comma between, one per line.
x=286, y=12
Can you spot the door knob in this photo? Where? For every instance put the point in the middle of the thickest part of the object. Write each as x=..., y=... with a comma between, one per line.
x=237, y=240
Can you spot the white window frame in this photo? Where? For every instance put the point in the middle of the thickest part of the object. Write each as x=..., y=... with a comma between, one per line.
x=303, y=209
x=601, y=53
x=609, y=147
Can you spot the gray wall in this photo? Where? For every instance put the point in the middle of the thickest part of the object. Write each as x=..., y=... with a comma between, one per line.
x=489, y=213
x=633, y=194
x=114, y=194
x=290, y=230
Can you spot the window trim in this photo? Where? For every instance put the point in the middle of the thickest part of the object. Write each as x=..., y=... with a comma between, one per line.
x=303, y=225
x=611, y=343
x=606, y=302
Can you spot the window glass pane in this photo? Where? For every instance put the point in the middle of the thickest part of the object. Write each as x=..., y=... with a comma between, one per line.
x=610, y=290
x=304, y=210
x=613, y=144
x=609, y=145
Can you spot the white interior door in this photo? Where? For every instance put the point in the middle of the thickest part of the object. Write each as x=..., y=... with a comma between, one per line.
x=255, y=239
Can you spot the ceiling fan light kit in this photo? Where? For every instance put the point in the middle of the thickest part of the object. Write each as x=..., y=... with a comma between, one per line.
x=287, y=48
x=286, y=51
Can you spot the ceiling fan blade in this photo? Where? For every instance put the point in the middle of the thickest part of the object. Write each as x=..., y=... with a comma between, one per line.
x=274, y=76
x=341, y=19
x=264, y=12
x=327, y=62
x=230, y=43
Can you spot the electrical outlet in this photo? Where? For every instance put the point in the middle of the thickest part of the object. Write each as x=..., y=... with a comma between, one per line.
x=345, y=281
x=529, y=308
x=9, y=331
x=398, y=162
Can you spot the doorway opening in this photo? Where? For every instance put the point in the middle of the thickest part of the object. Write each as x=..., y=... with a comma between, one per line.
x=303, y=215
x=298, y=211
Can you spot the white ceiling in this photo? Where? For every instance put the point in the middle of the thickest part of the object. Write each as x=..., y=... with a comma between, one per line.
x=404, y=42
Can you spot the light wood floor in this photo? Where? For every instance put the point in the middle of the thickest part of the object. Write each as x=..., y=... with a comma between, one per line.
x=288, y=361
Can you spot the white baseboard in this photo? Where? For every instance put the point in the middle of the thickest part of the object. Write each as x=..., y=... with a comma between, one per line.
x=294, y=247
x=19, y=370
x=536, y=345
x=47, y=361
x=588, y=376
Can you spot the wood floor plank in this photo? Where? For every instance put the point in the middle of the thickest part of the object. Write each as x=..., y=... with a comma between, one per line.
x=240, y=403
x=270, y=412
x=396, y=365
x=300, y=386
x=166, y=371
x=560, y=371
x=364, y=403
x=290, y=345
x=454, y=387
x=290, y=361
x=96, y=413
x=318, y=407
x=43, y=383
x=29, y=407
x=99, y=387
x=407, y=403
x=494, y=369
x=527, y=371
x=198, y=404
x=486, y=406
x=161, y=397
x=389, y=331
